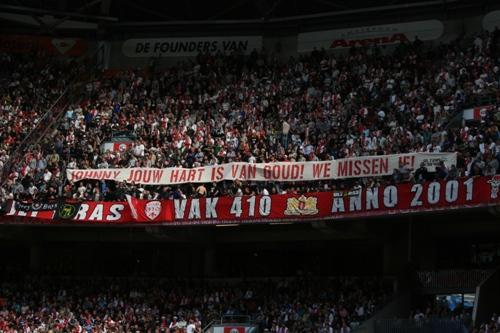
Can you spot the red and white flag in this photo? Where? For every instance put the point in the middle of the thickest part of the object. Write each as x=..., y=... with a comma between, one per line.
x=132, y=203
x=477, y=113
x=115, y=146
x=149, y=210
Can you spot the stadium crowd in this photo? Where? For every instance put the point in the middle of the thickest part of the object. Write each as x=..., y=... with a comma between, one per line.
x=492, y=326
x=29, y=87
x=461, y=317
x=224, y=108
x=302, y=304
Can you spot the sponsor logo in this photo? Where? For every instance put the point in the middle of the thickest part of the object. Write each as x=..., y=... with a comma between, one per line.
x=36, y=206
x=301, y=206
x=63, y=45
x=66, y=211
x=152, y=209
x=495, y=186
x=395, y=38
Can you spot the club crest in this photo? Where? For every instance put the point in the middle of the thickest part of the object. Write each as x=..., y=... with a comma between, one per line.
x=152, y=209
x=301, y=206
x=495, y=186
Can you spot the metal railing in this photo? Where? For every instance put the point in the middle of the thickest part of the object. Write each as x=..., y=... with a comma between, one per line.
x=233, y=320
x=208, y=327
x=453, y=278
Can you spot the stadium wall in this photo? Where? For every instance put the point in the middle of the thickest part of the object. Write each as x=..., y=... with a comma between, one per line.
x=283, y=45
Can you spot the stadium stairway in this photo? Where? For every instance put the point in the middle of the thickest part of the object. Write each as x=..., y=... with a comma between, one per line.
x=487, y=300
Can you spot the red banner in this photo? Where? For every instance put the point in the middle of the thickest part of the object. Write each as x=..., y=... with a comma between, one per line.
x=394, y=199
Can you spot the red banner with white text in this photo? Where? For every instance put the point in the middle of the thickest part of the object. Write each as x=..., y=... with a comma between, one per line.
x=366, y=202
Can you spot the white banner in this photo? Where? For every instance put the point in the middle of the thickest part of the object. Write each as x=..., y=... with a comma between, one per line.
x=368, y=166
x=371, y=35
x=189, y=46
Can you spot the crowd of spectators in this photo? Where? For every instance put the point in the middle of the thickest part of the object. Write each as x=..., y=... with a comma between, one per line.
x=29, y=88
x=492, y=326
x=305, y=304
x=443, y=312
x=460, y=316
x=320, y=106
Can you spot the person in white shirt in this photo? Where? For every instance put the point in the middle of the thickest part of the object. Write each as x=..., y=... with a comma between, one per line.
x=47, y=175
x=191, y=327
x=139, y=149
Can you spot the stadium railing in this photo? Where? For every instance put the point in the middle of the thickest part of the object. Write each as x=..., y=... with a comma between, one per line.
x=438, y=281
x=231, y=321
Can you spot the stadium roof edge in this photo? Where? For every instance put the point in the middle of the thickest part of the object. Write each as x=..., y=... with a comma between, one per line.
x=290, y=18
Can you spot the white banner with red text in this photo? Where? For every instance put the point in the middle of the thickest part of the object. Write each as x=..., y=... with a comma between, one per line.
x=370, y=35
x=379, y=201
x=366, y=166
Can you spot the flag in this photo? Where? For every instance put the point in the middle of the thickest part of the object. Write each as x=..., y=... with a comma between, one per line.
x=476, y=113
x=132, y=202
x=150, y=210
x=115, y=146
